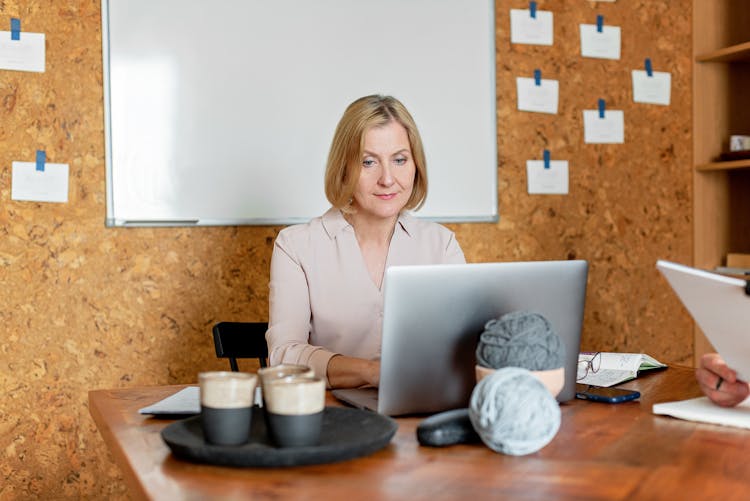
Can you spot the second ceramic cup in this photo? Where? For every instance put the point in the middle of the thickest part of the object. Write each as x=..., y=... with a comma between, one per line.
x=294, y=410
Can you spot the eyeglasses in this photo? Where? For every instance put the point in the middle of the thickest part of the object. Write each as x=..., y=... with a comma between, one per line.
x=589, y=365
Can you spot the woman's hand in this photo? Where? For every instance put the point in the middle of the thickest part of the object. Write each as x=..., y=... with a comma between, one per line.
x=350, y=372
x=719, y=382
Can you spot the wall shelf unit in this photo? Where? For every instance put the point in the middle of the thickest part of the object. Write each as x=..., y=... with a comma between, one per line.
x=721, y=100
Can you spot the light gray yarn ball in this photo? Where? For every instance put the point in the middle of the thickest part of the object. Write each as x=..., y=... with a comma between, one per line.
x=520, y=339
x=513, y=413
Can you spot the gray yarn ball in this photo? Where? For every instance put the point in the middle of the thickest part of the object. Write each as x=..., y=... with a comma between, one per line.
x=513, y=413
x=520, y=339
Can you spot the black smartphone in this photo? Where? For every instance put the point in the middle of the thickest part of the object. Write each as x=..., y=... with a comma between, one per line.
x=606, y=395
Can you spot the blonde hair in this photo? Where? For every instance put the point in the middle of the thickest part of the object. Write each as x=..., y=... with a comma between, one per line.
x=345, y=157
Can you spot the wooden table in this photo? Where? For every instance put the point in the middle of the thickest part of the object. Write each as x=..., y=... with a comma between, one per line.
x=602, y=451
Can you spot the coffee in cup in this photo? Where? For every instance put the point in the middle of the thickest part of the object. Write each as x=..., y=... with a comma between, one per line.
x=226, y=406
x=294, y=408
x=284, y=370
x=281, y=371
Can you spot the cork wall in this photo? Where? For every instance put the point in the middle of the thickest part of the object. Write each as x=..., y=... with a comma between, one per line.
x=85, y=307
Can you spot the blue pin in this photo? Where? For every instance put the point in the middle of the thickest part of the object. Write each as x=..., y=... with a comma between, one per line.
x=601, y=108
x=41, y=157
x=649, y=69
x=15, y=29
x=532, y=9
x=546, y=159
x=537, y=77
x=600, y=23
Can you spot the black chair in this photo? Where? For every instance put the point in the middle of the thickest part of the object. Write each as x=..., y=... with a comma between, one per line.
x=235, y=340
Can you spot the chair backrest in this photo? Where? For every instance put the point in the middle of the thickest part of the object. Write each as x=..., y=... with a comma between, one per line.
x=235, y=340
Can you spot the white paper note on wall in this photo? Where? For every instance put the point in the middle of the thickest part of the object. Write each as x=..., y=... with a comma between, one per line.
x=30, y=184
x=610, y=129
x=655, y=89
x=25, y=54
x=552, y=181
x=542, y=98
x=603, y=45
x=536, y=30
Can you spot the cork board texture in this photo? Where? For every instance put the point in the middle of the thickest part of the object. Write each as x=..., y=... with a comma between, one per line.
x=85, y=307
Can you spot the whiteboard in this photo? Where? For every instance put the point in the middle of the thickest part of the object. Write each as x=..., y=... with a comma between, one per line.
x=222, y=112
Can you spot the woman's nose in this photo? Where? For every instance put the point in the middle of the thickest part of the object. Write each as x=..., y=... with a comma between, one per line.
x=386, y=176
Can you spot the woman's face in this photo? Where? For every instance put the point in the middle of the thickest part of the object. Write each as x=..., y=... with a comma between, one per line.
x=387, y=176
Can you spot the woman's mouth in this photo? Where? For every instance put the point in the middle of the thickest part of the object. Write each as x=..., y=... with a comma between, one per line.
x=386, y=196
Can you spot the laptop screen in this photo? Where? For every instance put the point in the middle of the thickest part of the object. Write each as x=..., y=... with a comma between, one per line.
x=434, y=314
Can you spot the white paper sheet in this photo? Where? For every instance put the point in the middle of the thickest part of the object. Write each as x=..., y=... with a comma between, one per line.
x=49, y=185
x=552, y=181
x=25, y=54
x=703, y=410
x=541, y=98
x=525, y=29
x=604, y=45
x=185, y=402
x=655, y=89
x=610, y=129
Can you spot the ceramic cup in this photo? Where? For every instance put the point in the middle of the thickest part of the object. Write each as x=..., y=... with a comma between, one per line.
x=226, y=406
x=294, y=410
x=739, y=143
x=553, y=379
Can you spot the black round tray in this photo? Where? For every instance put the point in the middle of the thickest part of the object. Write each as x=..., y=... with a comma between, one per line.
x=347, y=433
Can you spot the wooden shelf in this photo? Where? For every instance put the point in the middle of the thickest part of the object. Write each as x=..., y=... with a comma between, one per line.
x=740, y=52
x=734, y=164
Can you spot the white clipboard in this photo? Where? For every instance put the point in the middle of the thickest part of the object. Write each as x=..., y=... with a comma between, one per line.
x=721, y=308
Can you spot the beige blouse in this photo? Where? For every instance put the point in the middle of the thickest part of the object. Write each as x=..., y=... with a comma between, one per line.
x=322, y=299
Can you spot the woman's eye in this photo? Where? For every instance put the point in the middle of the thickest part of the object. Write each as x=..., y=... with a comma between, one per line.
x=400, y=160
x=368, y=162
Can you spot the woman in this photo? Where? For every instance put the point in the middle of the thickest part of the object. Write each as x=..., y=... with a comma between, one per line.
x=719, y=382
x=326, y=295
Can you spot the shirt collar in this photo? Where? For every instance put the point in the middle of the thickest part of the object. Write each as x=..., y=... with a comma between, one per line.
x=334, y=222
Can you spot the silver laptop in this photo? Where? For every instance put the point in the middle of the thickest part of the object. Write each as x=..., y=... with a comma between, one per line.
x=432, y=318
x=720, y=306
